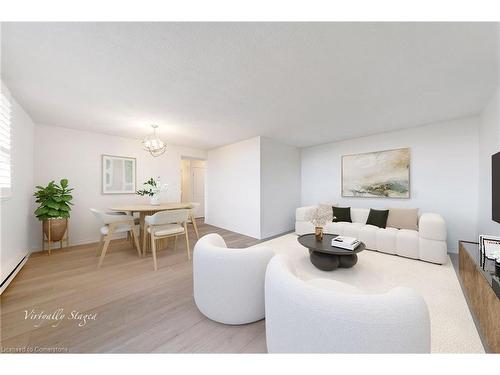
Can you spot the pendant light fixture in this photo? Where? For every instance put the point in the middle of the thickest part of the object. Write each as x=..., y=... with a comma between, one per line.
x=153, y=143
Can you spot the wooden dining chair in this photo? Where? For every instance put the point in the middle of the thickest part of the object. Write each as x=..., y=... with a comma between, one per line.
x=114, y=223
x=192, y=219
x=137, y=223
x=164, y=224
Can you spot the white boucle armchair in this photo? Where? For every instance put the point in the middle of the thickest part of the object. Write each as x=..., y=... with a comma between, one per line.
x=327, y=316
x=428, y=243
x=229, y=283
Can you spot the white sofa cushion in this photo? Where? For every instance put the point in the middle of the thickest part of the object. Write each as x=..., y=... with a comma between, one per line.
x=306, y=213
x=432, y=251
x=432, y=227
x=352, y=229
x=335, y=228
x=368, y=235
x=407, y=243
x=386, y=240
x=304, y=227
x=359, y=215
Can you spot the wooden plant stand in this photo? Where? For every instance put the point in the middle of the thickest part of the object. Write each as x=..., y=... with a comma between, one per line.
x=47, y=239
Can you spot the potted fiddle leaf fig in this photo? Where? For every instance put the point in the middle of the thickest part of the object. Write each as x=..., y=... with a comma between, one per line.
x=55, y=206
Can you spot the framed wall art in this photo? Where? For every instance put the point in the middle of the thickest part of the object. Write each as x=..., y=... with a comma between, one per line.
x=380, y=174
x=118, y=175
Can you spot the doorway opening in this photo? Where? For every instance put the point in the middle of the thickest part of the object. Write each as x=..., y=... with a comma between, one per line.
x=193, y=184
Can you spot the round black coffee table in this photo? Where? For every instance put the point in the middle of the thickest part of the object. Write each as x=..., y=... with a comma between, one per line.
x=326, y=257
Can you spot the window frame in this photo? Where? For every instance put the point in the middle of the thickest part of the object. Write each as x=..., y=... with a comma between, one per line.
x=6, y=105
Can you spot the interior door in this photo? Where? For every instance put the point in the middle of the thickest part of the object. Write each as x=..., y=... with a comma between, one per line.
x=198, y=189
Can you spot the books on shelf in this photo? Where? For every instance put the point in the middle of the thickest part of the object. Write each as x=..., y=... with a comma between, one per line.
x=344, y=242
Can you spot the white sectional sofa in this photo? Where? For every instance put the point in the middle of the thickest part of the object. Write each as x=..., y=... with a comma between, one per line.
x=428, y=243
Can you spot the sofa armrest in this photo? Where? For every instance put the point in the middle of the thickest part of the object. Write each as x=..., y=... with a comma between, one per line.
x=306, y=213
x=432, y=227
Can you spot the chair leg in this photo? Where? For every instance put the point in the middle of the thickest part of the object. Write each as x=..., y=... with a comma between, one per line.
x=144, y=236
x=193, y=220
x=99, y=247
x=153, y=249
x=175, y=243
x=136, y=241
x=104, y=249
x=187, y=241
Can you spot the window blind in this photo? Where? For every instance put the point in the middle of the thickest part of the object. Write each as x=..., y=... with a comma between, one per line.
x=5, y=145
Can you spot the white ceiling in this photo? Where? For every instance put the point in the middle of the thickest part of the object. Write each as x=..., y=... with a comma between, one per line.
x=209, y=84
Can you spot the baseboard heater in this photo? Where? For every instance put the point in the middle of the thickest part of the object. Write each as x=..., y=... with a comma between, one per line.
x=5, y=283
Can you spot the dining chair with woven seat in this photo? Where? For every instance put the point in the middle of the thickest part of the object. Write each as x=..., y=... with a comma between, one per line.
x=114, y=223
x=166, y=224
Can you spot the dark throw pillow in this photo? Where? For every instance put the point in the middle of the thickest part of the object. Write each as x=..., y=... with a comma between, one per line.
x=341, y=214
x=378, y=218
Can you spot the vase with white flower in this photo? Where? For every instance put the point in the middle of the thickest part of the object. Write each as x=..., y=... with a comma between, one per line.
x=152, y=188
x=319, y=221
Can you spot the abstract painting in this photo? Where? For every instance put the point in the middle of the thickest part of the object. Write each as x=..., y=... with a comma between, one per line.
x=118, y=175
x=381, y=174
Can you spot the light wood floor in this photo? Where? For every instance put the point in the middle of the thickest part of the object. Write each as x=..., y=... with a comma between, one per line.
x=138, y=310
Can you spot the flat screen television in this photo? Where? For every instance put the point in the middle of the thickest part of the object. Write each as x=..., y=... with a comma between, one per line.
x=495, y=187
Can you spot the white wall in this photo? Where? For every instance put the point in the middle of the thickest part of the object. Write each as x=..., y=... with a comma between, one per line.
x=280, y=186
x=76, y=155
x=253, y=187
x=489, y=144
x=186, y=180
x=19, y=227
x=233, y=187
x=443, y=170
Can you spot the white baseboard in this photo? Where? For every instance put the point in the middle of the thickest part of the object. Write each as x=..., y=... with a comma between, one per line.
x=9, y=279
x=83, y=242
